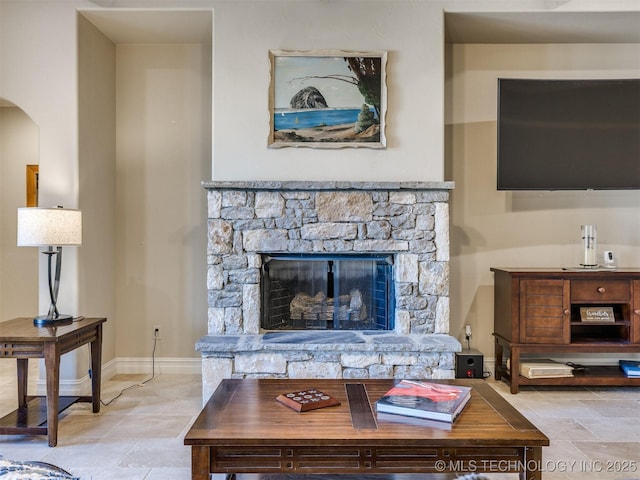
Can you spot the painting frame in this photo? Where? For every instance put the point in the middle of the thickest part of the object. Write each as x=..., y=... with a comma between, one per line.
x=32, y=185
x=347, y=85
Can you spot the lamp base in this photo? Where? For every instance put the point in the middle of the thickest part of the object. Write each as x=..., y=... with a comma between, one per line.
x=47, y=321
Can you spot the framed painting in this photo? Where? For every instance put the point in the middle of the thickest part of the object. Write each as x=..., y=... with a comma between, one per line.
x=32, y=185
x=327, y=99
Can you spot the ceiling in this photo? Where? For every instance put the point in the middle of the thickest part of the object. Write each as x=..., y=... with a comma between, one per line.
x=542, y=27
x=195, y=26
x=153, y=26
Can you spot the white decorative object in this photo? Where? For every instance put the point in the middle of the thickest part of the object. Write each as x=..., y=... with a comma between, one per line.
x=589, y=246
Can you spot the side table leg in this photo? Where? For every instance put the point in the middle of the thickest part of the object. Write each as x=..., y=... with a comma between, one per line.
x=96, y=368
x=52, y=367
x=23, y=377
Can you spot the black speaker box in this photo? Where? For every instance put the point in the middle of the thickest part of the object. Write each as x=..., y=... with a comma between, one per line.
x=469, y=364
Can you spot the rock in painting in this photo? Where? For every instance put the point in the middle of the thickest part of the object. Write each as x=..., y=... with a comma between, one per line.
x=308, y=97
x=366, y=118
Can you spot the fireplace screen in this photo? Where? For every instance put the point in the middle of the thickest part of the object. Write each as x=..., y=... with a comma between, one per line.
x=320, y=292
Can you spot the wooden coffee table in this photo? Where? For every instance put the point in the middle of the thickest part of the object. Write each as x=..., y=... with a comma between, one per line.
x=243, y=429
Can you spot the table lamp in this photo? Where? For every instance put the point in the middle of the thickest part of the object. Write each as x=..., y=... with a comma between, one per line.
x=52, y=228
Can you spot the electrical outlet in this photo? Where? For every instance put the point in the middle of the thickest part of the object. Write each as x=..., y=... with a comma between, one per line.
x=156, y=332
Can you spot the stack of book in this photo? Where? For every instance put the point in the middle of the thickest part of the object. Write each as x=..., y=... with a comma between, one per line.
x=545, y=368
x=410, y=400
x=631, y=368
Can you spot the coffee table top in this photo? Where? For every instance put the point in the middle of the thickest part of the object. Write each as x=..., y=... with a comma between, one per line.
x=244, y=412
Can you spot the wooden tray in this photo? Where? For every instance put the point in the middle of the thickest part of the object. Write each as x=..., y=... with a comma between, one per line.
x=305, y=400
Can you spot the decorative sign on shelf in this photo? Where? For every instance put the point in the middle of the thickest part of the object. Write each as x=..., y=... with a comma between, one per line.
x=597, y=314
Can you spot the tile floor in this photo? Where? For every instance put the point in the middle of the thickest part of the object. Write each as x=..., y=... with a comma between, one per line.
x=139, y=436
x=595, y=432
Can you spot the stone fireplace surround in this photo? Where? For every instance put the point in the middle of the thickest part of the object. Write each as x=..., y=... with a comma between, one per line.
x=246, y=219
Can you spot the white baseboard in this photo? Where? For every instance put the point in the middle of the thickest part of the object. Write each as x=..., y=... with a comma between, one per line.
x=489, y=366
x=128, y=365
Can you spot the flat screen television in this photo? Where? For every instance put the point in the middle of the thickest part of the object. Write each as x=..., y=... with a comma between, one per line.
x=568, y=134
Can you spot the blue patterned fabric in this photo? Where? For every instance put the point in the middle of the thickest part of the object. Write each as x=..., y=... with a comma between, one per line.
x=14, y=470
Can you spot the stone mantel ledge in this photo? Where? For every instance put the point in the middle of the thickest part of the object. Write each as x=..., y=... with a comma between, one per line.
x=322, y=340
x=260, y=185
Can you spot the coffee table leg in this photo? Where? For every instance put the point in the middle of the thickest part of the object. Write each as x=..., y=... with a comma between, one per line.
x=533, y=464
x=200, y=466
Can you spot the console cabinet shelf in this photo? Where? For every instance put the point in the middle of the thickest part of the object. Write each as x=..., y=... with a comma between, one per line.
x=537, y=311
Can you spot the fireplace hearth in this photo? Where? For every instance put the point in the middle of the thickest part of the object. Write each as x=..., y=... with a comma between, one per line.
x=326, y=324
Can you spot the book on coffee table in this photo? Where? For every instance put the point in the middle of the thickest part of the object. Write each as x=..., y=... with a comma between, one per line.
x=434, y=401
x=390, y=418
x=309, y=399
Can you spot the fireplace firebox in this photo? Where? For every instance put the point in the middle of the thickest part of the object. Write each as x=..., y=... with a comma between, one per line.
x=327, y=292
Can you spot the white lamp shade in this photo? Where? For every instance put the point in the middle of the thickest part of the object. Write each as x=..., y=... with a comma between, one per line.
x=43, y=227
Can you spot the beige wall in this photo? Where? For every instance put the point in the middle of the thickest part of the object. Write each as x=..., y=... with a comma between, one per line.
x=18, y=265
x=493, y=228
x=144, y=258
x=411, y=32
x=38, y=75
x=97, y=161
x=163, y=106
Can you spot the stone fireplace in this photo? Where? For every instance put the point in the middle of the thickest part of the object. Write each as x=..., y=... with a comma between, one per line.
x=405, y=222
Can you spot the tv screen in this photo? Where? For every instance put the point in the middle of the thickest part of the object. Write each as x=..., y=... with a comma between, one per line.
x=568, y=134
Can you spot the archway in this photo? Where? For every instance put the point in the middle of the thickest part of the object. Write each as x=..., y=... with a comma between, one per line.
x=19, y=148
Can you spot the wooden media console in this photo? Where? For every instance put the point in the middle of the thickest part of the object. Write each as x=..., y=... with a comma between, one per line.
x=538, y=312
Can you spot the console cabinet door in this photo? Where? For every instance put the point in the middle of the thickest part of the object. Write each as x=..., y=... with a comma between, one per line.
x=544, y=311
x=635, y=313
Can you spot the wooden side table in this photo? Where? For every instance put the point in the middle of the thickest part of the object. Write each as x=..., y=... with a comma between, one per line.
x=20, y=339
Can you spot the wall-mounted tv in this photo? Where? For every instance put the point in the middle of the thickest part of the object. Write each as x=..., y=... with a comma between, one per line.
x=568, y=134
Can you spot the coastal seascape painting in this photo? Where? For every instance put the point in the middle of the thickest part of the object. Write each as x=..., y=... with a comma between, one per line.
x=327, y=99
